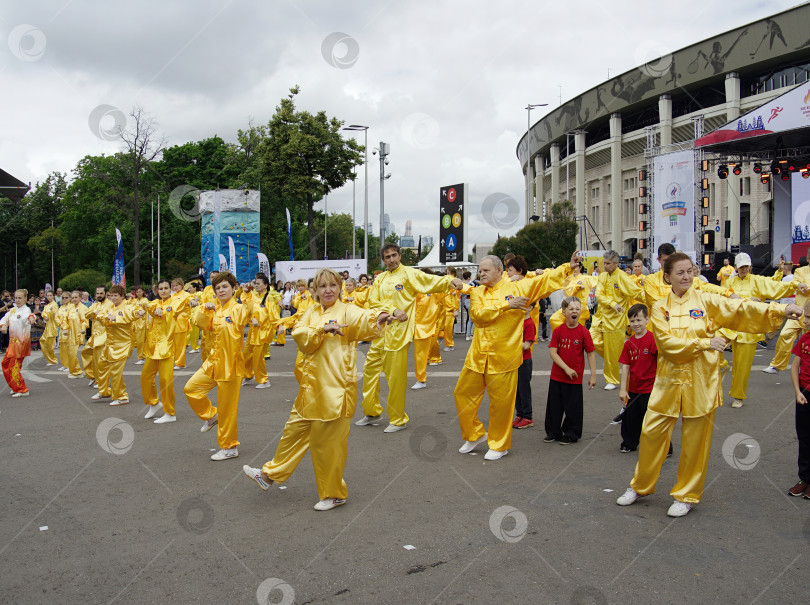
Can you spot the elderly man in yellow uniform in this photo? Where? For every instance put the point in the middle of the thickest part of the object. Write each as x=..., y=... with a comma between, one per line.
x=94, y=348
x=744, y=345
x=614, y=291
x=394, y=291
x=117, y=319
x=792, y=328
x=497, y=308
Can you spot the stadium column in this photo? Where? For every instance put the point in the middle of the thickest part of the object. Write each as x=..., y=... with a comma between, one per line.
x=555, y=174
x=665, y=119
x=616, y=183
x=539, y=191
x=579, y=157
x=733, y=182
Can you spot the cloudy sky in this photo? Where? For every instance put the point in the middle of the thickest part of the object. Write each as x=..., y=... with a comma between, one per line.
x=445, y=82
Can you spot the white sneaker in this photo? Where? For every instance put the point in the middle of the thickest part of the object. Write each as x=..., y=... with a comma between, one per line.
x=165, y=418
x=393, y=428
x=329, y=504
x=91, y=383
x=177, y=368
x=247, y=380
x=26, y=394
x=610, y=387
x=153, y=410
x=192, y=351
x=366, y=420
x=628, y=497
x=119, y=402
x=468, y=338
x=771, y=370
x=449, y=349
x=62, y=369
x=140, y=362
x=209, y=424
x=256, y=475
x=74, y=376
x=737, y=403
x=419, y=385
x=51, y=364
x=95, y=385
x=262, y=385
x=679, y=509
x=495, y=455
x=435, y=363
x=225, y=454
x=471, y=445
x=98, y=396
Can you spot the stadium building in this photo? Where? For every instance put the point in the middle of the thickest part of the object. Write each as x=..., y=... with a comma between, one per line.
x=591, y=150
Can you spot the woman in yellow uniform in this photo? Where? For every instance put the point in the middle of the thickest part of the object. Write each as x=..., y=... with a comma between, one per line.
x=224, y=367
x=744, y=345
x=159, y=358
x=181, y=312
x=139, y=302
x=428, y=316
x=48, y=338
x=206, y=296
x=117, y=320
x=688, y=384
x=72, y=323
x=262, y=327
x=321, y=415
x=578, y=285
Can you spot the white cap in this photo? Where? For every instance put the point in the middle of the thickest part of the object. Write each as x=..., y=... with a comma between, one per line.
x=742, y=260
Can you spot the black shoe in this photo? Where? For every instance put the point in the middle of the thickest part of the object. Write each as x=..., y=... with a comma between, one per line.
x=626, y=450
x=549, y=439
x=669, y=454
x=566, y=440
x=763, y=344
x=618, y=418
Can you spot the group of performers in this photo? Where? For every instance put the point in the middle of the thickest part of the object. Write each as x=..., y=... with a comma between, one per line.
x=692, y=323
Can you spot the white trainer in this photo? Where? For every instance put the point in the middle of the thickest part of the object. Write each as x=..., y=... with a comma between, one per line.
x=435, y=363
x=471, y=445
x=225, y=454
x=91, y=383
x=247, y=380
x=98, y=396
x=366, y=420
x=329, y=504
x=679, y=509
x=610, y=387
x=419, y=385
x=153, y=410
x=771, y=370
x=25, y=394
x=165, y=418
x=449, y=349
x=256, y=475
x=262, y=385
x=140, y=362
x=119, y=402
x=628, y=497
x=209, y=424
x=393, y=428
x=495, y=455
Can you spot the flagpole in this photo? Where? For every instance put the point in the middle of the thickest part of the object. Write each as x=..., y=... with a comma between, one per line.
x=158, y=265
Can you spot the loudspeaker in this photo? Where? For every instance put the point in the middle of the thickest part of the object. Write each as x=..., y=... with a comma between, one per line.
x=727, y=230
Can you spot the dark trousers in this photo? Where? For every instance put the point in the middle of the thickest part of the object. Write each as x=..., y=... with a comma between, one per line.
x=523, y=397
x=803, y=434
x=633, y=418
x=543, y=324
x=564, y=410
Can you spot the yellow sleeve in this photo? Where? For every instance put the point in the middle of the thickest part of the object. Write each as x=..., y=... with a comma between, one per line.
x=308, y=338
x=743, y=315
x=203, y=318
x=541, y=286
x=481, y=314
x=774, y=290
x=361, y=323
x=428, y=284
x=628, y=287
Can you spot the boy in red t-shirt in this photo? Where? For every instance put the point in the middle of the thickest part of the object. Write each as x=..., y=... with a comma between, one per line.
x=800, y=376
x=568, y=343
x=523, y=396
x=637, y=362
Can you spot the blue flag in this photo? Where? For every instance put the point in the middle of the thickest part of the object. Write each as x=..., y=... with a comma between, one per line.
x=118, y=276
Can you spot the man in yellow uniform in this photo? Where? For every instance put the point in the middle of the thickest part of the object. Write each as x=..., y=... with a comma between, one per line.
x=181, y=313
x=614, y=291
x=140, y=324
x=427, y=311
x=497, y=308
x=725, y=272
x=93, y=349
x=792, y=328
x=117, y=319
x=394, y=291
x=744, y=345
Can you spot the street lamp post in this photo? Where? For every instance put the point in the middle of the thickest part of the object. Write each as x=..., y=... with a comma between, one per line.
x=529, y=108
x=365, y=207
x=325, y=201
x=385, y=149
x=354, y=188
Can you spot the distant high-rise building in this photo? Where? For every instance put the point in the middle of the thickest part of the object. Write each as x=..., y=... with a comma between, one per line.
x=388, y=225
x=406, y=241
x=427, y=241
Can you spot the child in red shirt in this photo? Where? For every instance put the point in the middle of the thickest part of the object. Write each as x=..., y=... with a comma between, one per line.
x=568, y=343
x=523, y=396
x=638, y=363
x=800, y=376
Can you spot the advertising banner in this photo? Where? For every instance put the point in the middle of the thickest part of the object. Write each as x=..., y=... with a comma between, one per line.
x=674, y=202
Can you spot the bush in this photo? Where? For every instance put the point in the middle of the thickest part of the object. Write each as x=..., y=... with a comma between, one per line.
x=85, y=279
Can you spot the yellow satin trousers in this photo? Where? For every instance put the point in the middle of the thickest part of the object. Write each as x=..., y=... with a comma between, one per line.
x=609, y=345
x=255, y=365
x=395, y=366
x=469, y=393
x=46, y=343
x=196, y=392
x=784, y=345
x=164, y=369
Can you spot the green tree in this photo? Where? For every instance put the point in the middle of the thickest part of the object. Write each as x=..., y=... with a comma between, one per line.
x=544, y=244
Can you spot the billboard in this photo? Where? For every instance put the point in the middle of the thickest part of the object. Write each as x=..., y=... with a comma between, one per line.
x=452, y=225
x=291, y=270
x=674, y=202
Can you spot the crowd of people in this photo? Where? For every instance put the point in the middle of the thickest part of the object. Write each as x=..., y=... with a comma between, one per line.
x=661, y=336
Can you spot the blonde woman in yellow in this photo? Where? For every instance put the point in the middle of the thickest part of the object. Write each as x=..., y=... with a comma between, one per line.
x=321, y=415
x=48, y=338
x=579, y=285
x=72, y=323
x=159, y=358
x=224, y=367
x=262, y=327
x=744, y=345
x=117, y=321
x=139, y=302
x=687, y=324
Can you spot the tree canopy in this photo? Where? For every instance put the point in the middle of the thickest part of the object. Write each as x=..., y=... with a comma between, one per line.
x=544, y=244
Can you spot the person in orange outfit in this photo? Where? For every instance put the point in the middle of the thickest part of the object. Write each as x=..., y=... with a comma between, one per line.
x=321, y=416
x=181, y=312
x=17, y=323
x=117, y=321
x=263, y=326
x=159, y=358
x=224, y=367
x=497, y=308
x=429, y=311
